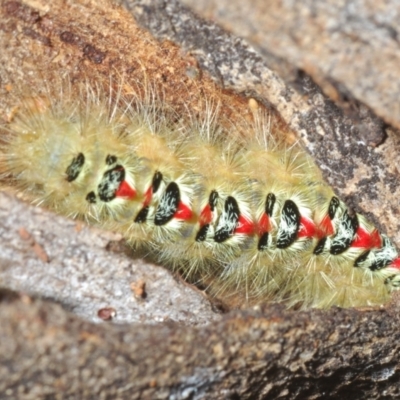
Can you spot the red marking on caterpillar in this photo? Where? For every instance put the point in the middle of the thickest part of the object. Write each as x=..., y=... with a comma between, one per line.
x=184, y=212
x=396, y=264
x=264, y=225
x=307, y=228
x=366, y=239
x=250, y=219
x=325, y=228
x=125, y=191
x=206, y=215
x=148, y=196
x=244, y=226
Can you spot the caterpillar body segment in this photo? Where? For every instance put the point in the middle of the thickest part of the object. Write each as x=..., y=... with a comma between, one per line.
x=249, y=219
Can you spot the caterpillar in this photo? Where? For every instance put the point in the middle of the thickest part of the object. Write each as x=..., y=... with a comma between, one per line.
x=249, y=218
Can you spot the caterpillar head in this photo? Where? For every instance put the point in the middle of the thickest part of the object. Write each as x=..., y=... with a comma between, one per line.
x=56, y=157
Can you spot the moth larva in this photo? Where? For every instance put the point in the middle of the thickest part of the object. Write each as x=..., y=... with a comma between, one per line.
x=248, y=218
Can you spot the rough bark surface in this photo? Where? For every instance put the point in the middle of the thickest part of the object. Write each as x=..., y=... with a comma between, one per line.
x=271, y=354
x=349, y=48
x=47, y=352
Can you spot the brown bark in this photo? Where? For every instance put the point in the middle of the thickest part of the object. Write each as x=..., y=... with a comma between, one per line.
x=46, y=352
x=270, y=354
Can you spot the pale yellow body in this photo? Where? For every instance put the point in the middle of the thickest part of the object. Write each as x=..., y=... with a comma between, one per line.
x=41, y=141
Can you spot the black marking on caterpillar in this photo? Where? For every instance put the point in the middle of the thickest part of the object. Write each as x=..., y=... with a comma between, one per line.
x=263, y=242
x=157, y=179
x=110, y=159
x=333, y=207
x=269, y=204
x=228, y=221
x=143, y=214
x=213, y=199
x=319, y=248
x=202, y=233
x=289, y=225
x=74, y=169
x=346, y=231
x=110, y=183
x=168, y=205
x=91, y=197
x=206, y=216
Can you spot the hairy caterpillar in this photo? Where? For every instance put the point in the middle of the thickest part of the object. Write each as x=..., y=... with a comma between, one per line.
x=248, y=218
